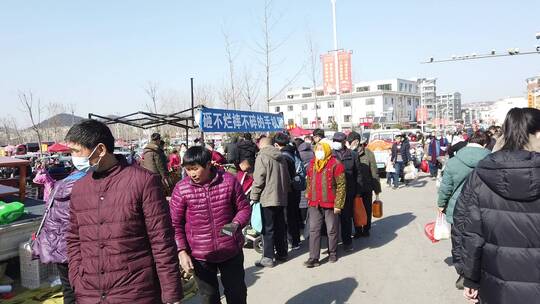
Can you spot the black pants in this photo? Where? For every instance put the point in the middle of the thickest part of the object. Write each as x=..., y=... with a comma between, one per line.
x=232, y=279
x=274, y=232
x=69, y=294
x=293, y=217
x=367, y=198
x=346, y=220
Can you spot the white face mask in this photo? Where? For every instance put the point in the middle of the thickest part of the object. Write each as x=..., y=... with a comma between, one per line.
x=319, y=155
x=337, y=146
x=82, y=163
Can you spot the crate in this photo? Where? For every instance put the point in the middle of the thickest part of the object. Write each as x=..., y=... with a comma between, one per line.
x=13, y=235
x=33, y=273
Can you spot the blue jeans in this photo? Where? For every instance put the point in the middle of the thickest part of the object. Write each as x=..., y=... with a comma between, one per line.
x=399, y=168
x=433, y=169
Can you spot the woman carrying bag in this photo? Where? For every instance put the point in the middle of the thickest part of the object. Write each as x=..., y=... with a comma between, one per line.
x=325, y=192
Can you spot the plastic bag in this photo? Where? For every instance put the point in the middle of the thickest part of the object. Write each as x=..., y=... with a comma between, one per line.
x=9, y=213
x=442, y=228
x=256, y=217
x=428, y=230
x=424, y=166
x=390, y=168
x=360, y=215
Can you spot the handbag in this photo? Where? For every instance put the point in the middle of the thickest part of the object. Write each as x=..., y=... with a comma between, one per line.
x=377, y=209
x=360, y=214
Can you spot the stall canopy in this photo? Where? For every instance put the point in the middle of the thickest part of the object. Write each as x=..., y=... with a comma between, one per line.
x=58, y=148
x=297, y=132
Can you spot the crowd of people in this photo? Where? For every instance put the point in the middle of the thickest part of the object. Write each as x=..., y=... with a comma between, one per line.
x=116, y=239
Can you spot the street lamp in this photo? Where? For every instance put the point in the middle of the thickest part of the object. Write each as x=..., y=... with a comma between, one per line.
x=336, y=60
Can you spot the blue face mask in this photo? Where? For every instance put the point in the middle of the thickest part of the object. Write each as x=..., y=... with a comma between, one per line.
x=82, y=163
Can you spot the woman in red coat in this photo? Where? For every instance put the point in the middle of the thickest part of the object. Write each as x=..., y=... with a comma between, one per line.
x=325, y=192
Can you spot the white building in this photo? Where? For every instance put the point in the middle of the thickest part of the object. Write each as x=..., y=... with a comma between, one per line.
x=501, y=107
x=477, y=112
x=390, y=101
x=449, y=106
x=428, y=95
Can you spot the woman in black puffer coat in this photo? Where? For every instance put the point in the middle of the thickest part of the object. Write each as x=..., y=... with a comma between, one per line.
x=496, y=232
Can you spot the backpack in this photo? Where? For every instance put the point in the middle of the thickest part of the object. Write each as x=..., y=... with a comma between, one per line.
x=299, y=179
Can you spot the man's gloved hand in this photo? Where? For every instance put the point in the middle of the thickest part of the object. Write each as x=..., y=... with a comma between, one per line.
x=230, y=229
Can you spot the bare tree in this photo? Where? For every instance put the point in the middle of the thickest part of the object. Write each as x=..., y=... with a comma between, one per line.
x=267, y=49
x=151, y=90
x=226, y=95
x=204, y=95
x=71, y=109
x=6, y=126
x=250, y=89
x=231, y=52
x=33, y=111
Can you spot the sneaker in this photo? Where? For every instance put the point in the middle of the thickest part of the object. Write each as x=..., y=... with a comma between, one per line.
x=332, y=259
x=281, y=258
x=365, y=233
x=265, y=262
x=348, y=248
x=296, y=246
x=310, y=263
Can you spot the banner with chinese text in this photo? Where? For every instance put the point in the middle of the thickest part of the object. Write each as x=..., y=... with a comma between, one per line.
x=219, y=120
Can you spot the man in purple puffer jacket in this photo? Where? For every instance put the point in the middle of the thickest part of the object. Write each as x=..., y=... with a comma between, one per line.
x=208, y=212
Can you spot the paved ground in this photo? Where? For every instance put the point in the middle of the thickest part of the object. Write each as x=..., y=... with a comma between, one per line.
x=397, y=264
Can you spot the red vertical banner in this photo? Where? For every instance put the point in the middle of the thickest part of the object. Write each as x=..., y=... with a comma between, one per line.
x=421, y=115
x=344, y=72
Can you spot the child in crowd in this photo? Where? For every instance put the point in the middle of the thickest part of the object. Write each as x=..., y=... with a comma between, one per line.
x=209, y=210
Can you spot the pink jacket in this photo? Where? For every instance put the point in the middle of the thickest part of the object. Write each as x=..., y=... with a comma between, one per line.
x=200, y=211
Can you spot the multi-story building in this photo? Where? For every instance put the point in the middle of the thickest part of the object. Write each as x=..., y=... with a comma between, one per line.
x=476, y=112
x=449, y=106
x=392, y=101
x=428, y=96
x=533, y=92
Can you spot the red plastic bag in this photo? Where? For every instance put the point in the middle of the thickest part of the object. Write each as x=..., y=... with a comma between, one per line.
x=360, y=215
x=424, y=166
x=429, y=231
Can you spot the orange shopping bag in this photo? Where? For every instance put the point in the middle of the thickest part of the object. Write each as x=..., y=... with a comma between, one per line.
x=360, y=215
x=377, y=209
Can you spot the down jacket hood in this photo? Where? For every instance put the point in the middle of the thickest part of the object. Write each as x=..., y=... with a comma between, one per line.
x=271, y=152
x=470, y=156
x=512, y=175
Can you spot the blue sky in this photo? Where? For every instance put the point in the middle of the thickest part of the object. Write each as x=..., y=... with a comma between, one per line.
x=100, y=54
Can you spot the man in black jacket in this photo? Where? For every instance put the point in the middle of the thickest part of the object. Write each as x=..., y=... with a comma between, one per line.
x=231, y=151
x=349, y=159
x=401, y=156
x=282, y=142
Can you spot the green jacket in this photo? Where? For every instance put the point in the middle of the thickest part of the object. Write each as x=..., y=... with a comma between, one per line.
x=271, y=179
x=368, y=158
x=456, y=171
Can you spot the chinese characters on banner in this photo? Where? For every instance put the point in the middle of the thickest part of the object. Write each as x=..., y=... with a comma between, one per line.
x=329, y=72
x=218, y=120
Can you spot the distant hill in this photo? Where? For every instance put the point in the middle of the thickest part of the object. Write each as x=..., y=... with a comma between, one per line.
x=60, y=120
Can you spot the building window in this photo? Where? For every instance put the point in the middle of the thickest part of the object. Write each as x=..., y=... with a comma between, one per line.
x=385, y=87
x=320, y=93
x=370, y=101
x=318, y=106
x=290, y=96
x=408, y=101
x=370, y=114
x=290, y=108
x=304, y=121
x=304, y=107
x=330, y=118
x=290, y=122
x=331, y=105
x=347, y=118
x=362, y=89
x=307, y=95
x=346, y=104
x=278, y=110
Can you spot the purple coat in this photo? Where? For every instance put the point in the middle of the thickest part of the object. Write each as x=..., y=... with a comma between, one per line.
x=50, y=245
x=200, y=211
